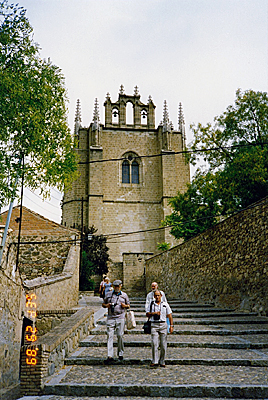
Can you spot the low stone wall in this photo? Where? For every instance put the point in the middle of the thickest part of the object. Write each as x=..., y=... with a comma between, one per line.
x=49, y=319
x=51, y=350
x=227, y=264
x=58, y=291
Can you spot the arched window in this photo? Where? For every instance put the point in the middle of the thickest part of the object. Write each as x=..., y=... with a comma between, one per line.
x=135, y=178
x=129, y=113
x=125, y=172
x=131, y=169
x=144, y=117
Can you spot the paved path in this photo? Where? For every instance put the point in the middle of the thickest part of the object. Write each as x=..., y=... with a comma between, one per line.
x=213, y=353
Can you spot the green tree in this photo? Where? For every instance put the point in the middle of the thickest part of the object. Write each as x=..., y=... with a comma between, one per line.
x=95, y=257
x=236, y=175
x=33, y=113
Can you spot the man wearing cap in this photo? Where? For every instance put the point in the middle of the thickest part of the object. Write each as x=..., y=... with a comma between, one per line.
x=116, y=301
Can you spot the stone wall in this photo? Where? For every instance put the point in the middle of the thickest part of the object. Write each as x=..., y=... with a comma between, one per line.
x=49, y=319
x=227, y=264
x=61, y=291
x=134, y=273
x=43, y=255
x=10, y=321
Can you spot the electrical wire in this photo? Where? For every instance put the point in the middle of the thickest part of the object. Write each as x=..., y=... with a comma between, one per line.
x=78, y=240
x=166, y=153
x=43, y=200
x=39, y=204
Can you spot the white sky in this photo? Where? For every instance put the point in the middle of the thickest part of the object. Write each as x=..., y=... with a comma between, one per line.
x=197, y=52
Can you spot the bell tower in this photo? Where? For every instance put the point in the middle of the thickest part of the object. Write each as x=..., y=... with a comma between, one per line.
x=128, y=171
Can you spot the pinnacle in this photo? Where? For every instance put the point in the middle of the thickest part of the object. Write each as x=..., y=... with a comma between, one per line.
x=77, y=119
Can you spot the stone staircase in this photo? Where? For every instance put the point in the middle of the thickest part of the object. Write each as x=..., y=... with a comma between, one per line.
x=213, y=353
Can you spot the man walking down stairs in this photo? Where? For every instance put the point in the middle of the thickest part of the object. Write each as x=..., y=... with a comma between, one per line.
x=213, y=353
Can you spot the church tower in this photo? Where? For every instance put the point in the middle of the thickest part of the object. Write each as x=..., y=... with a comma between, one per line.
x=129, y=169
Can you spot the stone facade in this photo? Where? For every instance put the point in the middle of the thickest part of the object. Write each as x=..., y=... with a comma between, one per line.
x=124, y=189
x=227, y=264
x=53, y=277
x=10, y=320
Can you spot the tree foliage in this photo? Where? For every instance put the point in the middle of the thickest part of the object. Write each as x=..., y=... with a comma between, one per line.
x=235, y=149
x=95, y=257
x=33, y=113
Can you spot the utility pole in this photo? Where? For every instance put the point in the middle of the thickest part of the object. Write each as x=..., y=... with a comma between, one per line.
x=81, y=241
x=9, y=215
x=20, y=218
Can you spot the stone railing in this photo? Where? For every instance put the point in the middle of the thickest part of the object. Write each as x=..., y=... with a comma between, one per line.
x=227, y=264
x=51, y=349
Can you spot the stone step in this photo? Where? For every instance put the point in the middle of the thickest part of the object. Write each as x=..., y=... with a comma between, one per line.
x=176, y=356
x=194, y=330
x=191, y=340
x=186, y=344
x=187, y=309
x=175, y=304
x=140, y=319
x=173, y=381
x=56, y=397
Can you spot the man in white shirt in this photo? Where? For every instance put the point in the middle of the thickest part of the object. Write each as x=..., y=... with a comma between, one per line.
x=158, y=312
x=150, y=295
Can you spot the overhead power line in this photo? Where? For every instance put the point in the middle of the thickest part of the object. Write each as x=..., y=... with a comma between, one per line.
x=168, y=152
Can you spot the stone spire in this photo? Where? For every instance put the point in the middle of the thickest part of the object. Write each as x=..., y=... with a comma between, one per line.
x=96, y=124
x=136, y=91
x=165, y=117
x=77, y=118
x=122, y=90
x=96, y=115
x=150, y=100
x=181, y=123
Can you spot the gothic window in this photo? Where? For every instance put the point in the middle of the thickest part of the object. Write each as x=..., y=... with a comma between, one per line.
x=135, y=172
x=115, y=116
x=131, y=169
x=125, y=172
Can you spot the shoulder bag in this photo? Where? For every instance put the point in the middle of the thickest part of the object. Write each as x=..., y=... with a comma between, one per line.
x=147, y=325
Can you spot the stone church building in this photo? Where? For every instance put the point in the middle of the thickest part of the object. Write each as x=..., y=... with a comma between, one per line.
x=129, y=169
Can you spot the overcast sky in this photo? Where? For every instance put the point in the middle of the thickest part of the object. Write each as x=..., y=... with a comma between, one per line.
x=197, y=52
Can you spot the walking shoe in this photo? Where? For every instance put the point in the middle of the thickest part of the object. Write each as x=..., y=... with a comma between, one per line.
x=109, y=361
x=162, y=365
x=153, y=365
x=121, y=358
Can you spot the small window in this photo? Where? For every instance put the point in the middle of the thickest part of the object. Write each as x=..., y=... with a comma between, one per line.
x=144, y=117
x=135, y=172
x=125, y=172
